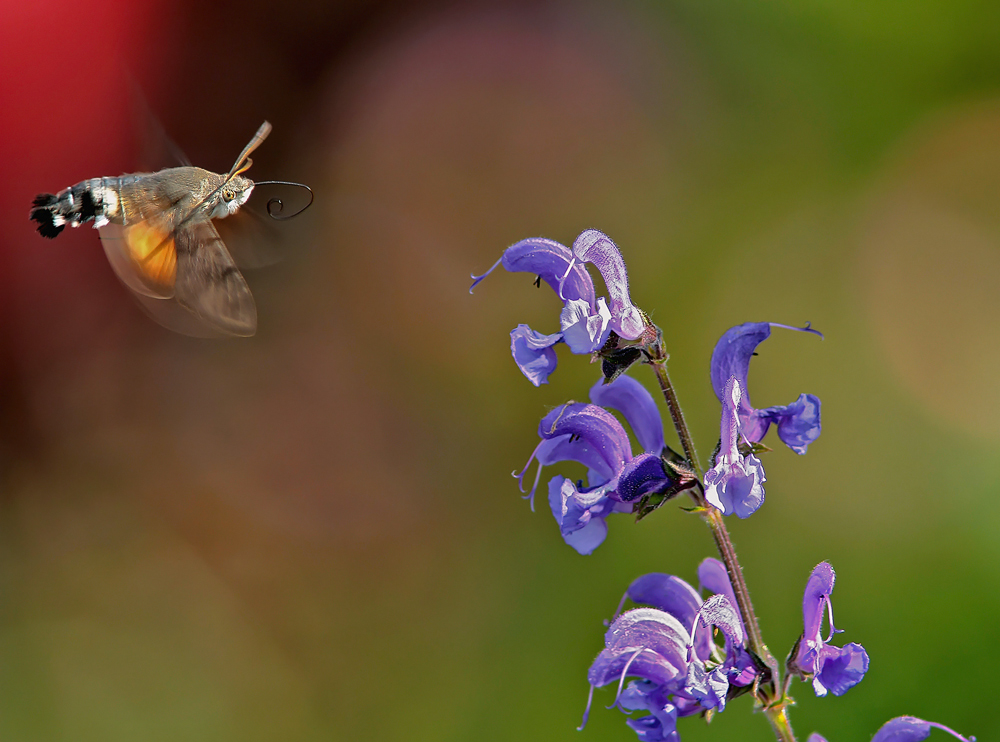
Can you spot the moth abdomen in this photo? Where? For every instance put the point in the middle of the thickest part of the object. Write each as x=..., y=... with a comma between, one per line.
x=96, y=199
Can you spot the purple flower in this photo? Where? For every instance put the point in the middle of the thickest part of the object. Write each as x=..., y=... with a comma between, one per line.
x=668, y=648
x=904, y=729
x=832, y=669
x=736, y=483
x=592, y=436
x=586, y=321
x=798, y=423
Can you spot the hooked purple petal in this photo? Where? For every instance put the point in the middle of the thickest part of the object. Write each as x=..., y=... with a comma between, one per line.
x=631, y=398
x=595, y=426
x=568, y=448
x=732, y=354
x=668, y=593
x=814, y=737
x=549, y=260
x=798, y=423
x=643, y=475
x=596, y=247
x=912, y=729
x=584, y=328
x=718, y=611
x=661, y=637
x=580, y=515
x=840, y=668
x=533, y=353
x=819, y=587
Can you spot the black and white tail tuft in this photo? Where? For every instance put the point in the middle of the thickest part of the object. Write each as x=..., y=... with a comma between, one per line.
x=50, y=222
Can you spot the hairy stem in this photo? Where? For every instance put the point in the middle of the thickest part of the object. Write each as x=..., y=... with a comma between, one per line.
x=774, y=700
x=778, y=716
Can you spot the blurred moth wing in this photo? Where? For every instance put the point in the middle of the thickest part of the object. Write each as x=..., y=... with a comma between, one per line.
x=185, y=280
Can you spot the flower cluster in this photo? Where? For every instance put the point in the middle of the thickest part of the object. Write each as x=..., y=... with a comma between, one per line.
x=668, y=647
x=586, y=321
x=831, y=669
x=592, y=436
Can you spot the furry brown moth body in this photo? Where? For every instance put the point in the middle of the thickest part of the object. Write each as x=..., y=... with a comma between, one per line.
x=157, y=231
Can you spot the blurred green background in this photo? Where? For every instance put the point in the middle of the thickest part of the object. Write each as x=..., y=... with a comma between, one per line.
x=313, y=534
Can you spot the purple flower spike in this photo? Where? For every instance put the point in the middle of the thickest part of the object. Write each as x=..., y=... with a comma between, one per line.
x=597, y=248
x=736, y=483
x=798, y=423
x=832, y=669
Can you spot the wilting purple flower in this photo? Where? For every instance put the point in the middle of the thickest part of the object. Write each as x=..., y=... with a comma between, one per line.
x=798, y=423
x=736, y=483
x=668, y=647
x=586, y=320
x=591, y=435
x=832, y=669
x=904, y=729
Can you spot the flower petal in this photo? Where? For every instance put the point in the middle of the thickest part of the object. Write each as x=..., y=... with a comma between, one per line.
x=550, y=261
x=903, y=729
x=583, y=328
x=596, y=247
x=631, y=398
x=798, y=423
x=660, y=636
x=713, y=577
x=580, y=515
x=841, y=668
x=533, y=353
x=912, y=729
x=819, y=587
x=731, y=358
x=594, y=425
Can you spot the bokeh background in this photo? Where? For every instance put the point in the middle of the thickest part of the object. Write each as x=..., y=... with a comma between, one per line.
x=313, y=534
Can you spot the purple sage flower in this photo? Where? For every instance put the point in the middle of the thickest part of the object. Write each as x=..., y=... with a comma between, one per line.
x=798, y=423
x=668, y=648
x=586, y=321
x=592, y=436
x=736, y=483
x=904, y=729
x=832, y=669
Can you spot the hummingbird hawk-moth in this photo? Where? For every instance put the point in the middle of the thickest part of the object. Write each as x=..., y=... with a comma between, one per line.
x=157, y=232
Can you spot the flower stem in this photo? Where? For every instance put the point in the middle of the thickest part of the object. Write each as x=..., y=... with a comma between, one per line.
x=778, y=716
x=774, y=701
x=658, y=360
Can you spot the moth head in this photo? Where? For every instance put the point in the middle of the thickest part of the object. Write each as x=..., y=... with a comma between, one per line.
x=232, y=196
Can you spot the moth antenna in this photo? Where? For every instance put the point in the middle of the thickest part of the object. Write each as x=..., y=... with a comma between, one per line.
x=275, y=205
